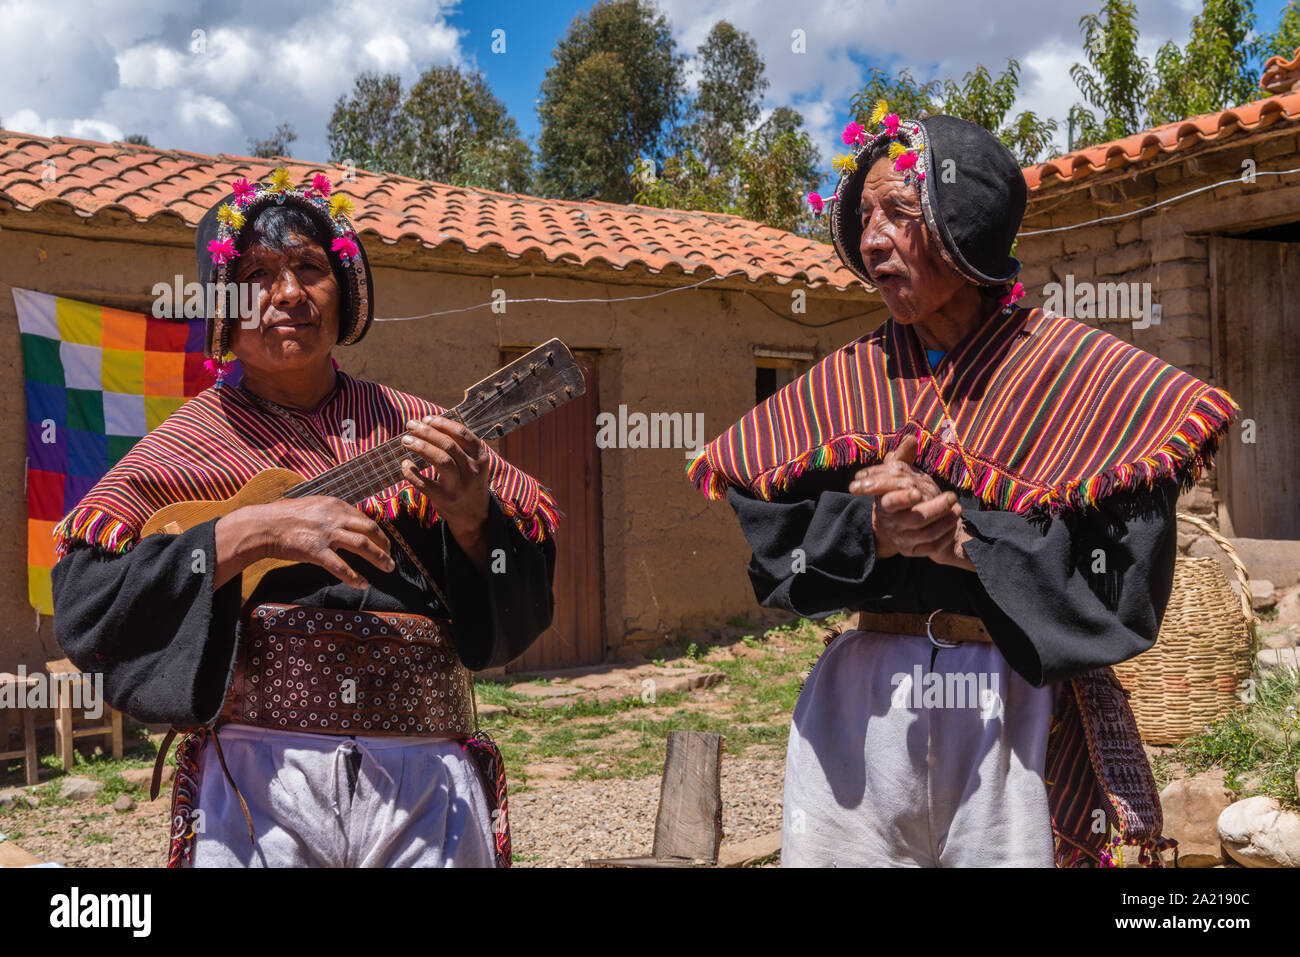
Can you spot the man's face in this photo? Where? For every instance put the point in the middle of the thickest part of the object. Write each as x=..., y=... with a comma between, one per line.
x=299, y=306
x=896, y=249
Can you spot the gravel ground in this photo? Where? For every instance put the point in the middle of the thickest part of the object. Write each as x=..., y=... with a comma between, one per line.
x=563, y=823
x=553, y=823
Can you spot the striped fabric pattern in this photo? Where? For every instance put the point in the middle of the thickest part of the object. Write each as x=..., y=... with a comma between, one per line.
x=1032, y=412
x=213, y=444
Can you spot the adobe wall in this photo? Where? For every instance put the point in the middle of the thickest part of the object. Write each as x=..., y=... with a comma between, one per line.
x=673, y=559
x=1167, y=247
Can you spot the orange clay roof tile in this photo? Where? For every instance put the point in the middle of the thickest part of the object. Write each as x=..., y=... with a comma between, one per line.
x=146, y=183
x=1162, y=140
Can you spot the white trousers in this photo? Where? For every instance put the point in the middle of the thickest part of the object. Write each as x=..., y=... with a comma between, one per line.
x=414, y=802
x=894, y=764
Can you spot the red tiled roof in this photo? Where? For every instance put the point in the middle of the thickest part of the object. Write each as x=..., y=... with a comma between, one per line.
x=1144, y=146
x=148, y=183
x=1281, y=74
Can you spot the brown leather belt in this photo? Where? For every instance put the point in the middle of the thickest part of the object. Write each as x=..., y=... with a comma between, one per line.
x=338, y=671
x=942, y=627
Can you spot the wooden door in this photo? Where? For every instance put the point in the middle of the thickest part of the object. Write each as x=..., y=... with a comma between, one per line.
x=559, y=450
x=1257, y=333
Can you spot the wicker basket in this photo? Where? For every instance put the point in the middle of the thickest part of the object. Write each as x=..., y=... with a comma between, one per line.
x=1205, y=650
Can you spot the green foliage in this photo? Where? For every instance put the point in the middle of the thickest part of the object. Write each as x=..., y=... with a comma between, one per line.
x=448, y=127
x=1217, y=69
x=277, y=144
x=905, y=95
x=732, y=83
x=767, y=174
x=986, y=100
x=1116, y=82
x=1285, y=40
x=612, y=95
x=137, y=139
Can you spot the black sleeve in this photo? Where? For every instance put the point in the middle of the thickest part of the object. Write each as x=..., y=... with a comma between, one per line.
x=814, y=555
x=151, y=623
x=1051, y=615
x=495, y=620
x=1077, y=592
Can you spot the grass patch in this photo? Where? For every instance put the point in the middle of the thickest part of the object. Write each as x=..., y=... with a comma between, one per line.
x=1258, y=749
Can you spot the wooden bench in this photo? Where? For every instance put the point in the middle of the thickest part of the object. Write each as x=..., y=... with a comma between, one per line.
x=17, y=687
x=63, y=673
x=688, y=826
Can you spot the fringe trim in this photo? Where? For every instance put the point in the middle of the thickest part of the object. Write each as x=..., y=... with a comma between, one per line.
x=1183, y=456
x=536, y=524
x=91, y=526
x=485, y=752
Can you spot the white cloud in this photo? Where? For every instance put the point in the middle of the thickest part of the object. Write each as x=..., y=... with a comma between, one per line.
x=203, y=76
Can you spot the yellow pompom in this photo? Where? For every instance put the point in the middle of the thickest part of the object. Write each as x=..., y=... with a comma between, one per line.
x=231, y=216
x=896, y=150
x=844, y=164
x=280, y=180
x=878, y=114
x=340, y=205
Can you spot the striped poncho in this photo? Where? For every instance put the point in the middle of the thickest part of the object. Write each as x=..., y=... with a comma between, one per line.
x=213, y=444
x=1032, y=412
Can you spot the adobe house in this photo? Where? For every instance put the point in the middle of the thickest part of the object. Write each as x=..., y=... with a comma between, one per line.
x=1223, y=266
x=642, y=555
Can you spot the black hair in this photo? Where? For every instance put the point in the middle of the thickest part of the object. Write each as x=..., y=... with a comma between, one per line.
x=274, y=226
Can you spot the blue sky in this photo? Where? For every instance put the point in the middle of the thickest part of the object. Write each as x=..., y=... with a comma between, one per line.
x=208, y=76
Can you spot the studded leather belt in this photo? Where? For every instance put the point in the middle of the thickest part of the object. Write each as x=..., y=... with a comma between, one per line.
x=338, y=671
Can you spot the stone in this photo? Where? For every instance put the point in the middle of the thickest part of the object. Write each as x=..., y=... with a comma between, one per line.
x=1191, y=810
x=79, y=789
x=531, y=690
x=1270, y=636
x=1288, y=606
x=1276, y=560
x=487, y=710
x=17, y=797
x=123, y=803
x=1272, y=659
x=142, y=778
x=1258, y=832
x=1262, y=595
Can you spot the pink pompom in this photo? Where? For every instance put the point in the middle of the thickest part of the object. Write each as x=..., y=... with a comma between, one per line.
x=244, y=190
x=817, y=203
x=321, y=184
x=1017, y=293
x=891, y=124
x=345, y=247
x=905, y=162
x=854, y=133
x=222, y=251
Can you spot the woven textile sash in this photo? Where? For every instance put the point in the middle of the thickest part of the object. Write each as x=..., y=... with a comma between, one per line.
x=1032, y=412
x=213, y=444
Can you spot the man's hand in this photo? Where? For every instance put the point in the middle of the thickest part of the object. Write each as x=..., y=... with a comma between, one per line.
x=911, y=516
x=458, y=486
x=311, y=529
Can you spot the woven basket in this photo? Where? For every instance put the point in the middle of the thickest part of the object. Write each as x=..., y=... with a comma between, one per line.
x=1205, y=650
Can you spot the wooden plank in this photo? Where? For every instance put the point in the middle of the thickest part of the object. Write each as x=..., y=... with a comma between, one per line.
x=753, y=851
x=30, y=764
x=689, y=823
x=644, y=862
x=560, y=451
x=11, y=855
